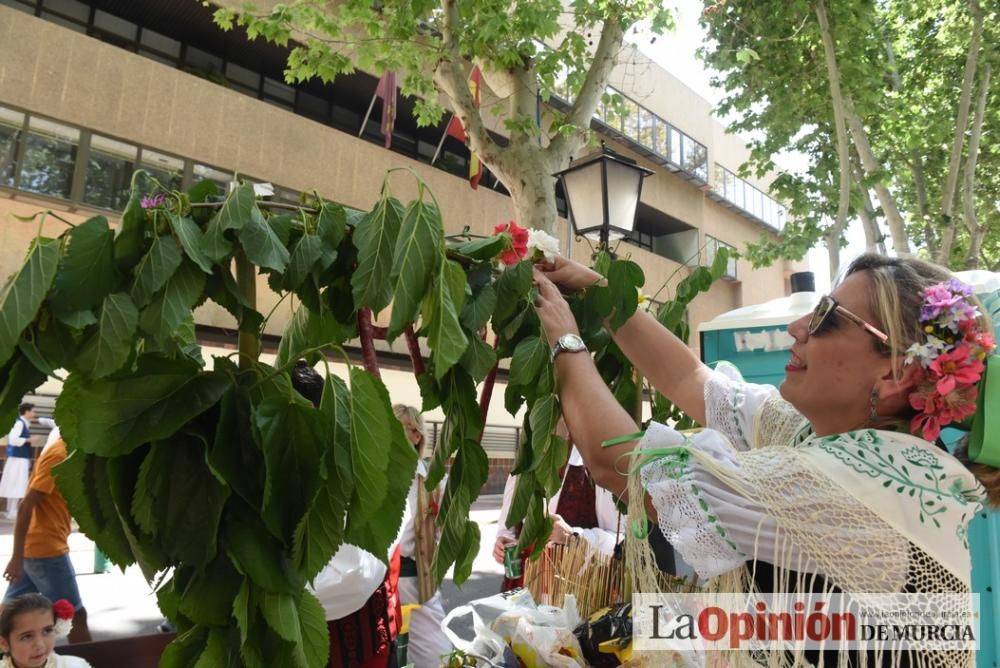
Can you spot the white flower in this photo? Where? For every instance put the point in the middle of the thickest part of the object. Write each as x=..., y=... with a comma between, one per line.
x=926, y=352
x=542, y=242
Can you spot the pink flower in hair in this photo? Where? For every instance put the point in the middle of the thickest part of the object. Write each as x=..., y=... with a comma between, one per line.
x=955, y=368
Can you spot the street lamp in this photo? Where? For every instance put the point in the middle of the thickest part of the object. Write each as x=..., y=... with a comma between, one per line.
x=602, y=194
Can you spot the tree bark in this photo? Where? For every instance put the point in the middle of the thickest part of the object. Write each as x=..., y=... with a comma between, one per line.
x=920, y=184
x=976, y=231
x=832, y=237
x=961, y=125
x=874, y=240
x=843, y=150
x=871, y=165
x=524, y=167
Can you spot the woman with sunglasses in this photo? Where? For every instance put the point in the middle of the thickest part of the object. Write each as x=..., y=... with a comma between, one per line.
x=829, y=484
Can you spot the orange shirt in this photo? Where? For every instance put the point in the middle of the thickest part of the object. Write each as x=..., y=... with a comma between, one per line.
x=50, y=523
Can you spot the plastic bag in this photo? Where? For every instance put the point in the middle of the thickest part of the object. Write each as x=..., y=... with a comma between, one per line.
x=610, y=627
x=487, y=643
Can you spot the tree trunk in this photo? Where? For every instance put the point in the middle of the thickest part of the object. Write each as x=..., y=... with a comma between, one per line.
x=874, y=240
x=832, y=237
x=976, y=231
x=897, y=228
x=961, y=125
x=843, y=150
x=533, y=191
x=920, y=184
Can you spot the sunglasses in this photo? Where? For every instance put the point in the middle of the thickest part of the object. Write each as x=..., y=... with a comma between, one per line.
x=827, y=307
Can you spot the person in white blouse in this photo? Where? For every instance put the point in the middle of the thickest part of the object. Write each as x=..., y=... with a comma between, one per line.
x=819, y=487
x=16, y=470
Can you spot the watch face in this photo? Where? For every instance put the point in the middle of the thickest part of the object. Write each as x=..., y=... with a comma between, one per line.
x=571, y=343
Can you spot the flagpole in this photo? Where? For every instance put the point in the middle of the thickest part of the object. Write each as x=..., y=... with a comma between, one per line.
x=443, y=137
x=371, y=106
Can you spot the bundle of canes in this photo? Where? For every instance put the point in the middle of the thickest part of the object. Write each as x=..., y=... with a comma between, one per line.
x=595, y=579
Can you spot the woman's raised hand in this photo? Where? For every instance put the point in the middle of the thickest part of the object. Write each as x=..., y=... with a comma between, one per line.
x=568, y=274
x=552, y=309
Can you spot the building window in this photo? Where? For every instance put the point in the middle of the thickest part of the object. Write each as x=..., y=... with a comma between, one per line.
x=49, y=156
x=11, y=125
x=750, y=199
x=26, y=6
x=67, y=13
x=166, y=169
x=117, y=31
x=159, y=47
x=712, y=246
x=110, y=164
x=221, y=179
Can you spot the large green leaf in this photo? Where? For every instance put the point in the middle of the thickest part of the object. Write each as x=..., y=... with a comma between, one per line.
x=482, y=249
x=321, y=532
x=282, y=615
x=467, y=553
x=178, y=500
x=83, y=481
x=87, y=270
x=415, y=262
x=192, y=240
x=478, y=310
x=155, y=268
x=123, y=473
x=305, y=254
x=512, y=287
x=479, y=358
x=255, y=551
x=235, y=456
x=130, y=242
x=261, y=243
x=174, y=303
x=206, y=593
x=524, y=491
x=332, y=223
x=375, y=238
x=441, y=307
x=292, y=438
x=113, y=416
x=315, y=633
x=24, y=292
x=530, y=357
x=184, y=650
x=463, y=421
x=222, y=289
x=218, y=652
x=371, y=441
x=110, y=346
x=233, y=215
x=375, y=531
x=308, y=329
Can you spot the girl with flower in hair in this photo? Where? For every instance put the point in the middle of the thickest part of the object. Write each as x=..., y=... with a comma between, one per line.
x=29, y=626
x=832, y=483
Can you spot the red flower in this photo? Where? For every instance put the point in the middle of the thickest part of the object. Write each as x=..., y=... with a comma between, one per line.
x=519, y=237
x=956, y=368
x=63, y=609
x=937, y=410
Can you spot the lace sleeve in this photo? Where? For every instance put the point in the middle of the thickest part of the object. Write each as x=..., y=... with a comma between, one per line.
x=731, y=404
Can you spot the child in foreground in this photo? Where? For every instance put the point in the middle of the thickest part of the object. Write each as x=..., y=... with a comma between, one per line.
x=29, y=626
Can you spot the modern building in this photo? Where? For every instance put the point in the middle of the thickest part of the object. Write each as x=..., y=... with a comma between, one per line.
x=91, y=90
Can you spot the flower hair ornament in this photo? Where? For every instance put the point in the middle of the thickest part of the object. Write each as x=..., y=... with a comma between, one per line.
x=952, y=359
x=63, y=611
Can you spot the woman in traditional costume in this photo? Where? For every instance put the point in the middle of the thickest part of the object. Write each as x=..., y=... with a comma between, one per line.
x=832, y=483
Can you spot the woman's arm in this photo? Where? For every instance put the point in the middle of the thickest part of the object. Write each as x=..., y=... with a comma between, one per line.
x=665, y=360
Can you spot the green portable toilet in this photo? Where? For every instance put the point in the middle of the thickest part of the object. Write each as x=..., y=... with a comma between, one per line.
x=755, y=338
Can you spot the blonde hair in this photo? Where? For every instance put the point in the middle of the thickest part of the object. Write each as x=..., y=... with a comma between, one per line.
x=897, y=297
x=404, y=412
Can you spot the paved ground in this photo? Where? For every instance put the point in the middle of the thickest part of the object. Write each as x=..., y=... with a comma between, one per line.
x=122, y=604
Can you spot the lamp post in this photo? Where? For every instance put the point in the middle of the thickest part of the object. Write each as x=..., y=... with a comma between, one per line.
x=602, y=195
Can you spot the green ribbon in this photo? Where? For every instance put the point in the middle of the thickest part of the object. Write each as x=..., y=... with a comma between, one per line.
x=640, y=527
x=984, y=439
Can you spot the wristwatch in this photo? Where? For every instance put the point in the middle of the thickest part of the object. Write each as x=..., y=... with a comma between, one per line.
x=569, y=343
